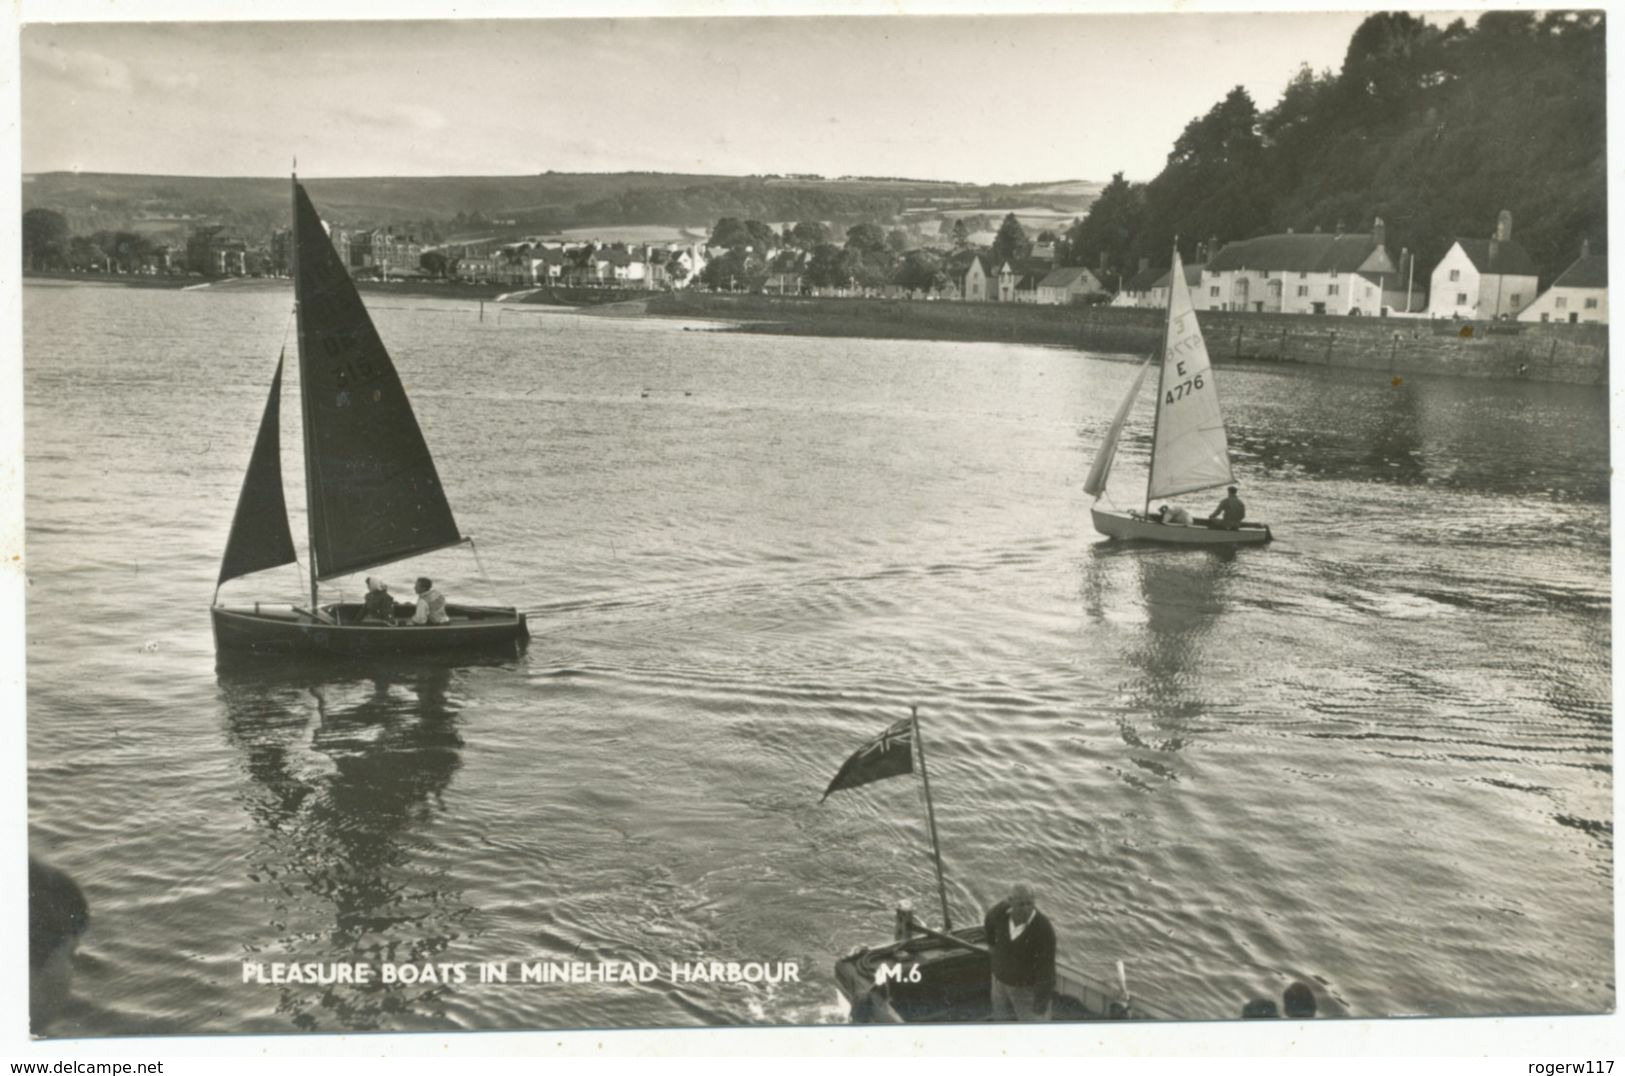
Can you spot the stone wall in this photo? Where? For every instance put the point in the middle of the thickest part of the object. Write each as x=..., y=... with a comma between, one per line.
x=1576, y=354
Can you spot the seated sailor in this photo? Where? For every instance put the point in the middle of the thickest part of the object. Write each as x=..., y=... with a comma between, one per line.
x=431, y=603
x=378, y=604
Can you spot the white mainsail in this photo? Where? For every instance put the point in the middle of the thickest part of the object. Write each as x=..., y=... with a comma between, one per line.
x=1095, y=484
x=1189, y=452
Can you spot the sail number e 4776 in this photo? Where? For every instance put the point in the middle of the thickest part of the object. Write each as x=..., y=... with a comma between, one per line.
x=1183, y=388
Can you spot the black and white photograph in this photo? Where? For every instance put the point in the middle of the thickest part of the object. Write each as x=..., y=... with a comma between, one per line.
x=862, y=516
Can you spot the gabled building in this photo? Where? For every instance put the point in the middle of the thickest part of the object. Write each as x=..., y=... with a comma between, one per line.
x=1062, y=286
x=1491, y=278
x=1002, y=282
x=976, y=286
x=1162, y=289
x=1579, y=294
x=1298, y=273
x=1136, y=290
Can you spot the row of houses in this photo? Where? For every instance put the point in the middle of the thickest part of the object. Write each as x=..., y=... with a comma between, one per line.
x=1337, y=273
x=1354, y=274
x=536, y=263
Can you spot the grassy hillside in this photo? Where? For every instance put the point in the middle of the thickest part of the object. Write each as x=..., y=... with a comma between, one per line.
x=551, y=201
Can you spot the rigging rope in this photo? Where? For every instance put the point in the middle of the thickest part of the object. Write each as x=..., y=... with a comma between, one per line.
x=472, y=548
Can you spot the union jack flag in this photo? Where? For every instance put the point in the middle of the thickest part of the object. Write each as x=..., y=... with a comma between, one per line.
x=891, y=754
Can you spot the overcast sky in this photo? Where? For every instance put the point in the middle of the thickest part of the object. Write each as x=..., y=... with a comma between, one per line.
x=961, y=97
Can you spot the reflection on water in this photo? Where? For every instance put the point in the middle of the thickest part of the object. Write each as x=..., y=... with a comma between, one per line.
x=1184, y=596
x=347, y=771
x=1448, y=432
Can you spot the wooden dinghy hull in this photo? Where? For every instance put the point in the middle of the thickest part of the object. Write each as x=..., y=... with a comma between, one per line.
x=283, y=630
x=1131, y=528
x=950, y=984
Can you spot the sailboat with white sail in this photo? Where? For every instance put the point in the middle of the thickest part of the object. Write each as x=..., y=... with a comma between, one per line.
x=1190, y=451
x=373, y=496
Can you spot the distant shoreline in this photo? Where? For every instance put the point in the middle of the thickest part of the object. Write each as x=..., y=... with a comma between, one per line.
x=436, y=289
x=1388, y=347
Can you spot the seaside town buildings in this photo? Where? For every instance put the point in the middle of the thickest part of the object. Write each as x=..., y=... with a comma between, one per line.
x=1491, y=278
x=1579, y=294
x=1308, y=273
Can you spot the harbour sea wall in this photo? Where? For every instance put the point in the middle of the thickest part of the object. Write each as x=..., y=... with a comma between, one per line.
x=1573, y=354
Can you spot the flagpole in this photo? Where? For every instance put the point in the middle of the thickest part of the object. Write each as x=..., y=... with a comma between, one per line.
x=931, y=818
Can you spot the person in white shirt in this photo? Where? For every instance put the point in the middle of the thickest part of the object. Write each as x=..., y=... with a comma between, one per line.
x=431, y=603
x=1172, y=513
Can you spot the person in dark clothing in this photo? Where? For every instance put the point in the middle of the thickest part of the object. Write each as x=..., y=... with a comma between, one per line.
x=1021, y=943
x=1230, y=512
x=378, y=605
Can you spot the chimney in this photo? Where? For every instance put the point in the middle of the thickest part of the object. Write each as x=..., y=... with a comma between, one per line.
x=1145, y=263
x=1379, y=232
x=1585, y=248
x=1503, y=225
x=1340, y=229
x=1212, y=248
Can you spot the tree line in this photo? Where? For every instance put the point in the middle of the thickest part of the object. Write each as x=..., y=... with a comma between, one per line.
x=1435, y=129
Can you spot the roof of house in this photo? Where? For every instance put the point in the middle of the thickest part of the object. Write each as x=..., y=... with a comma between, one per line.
x=1588, y=271
x=1065, y=278
x=1510, y=259
x=1146, y=279
x=1311, y=252
x=1193, y=276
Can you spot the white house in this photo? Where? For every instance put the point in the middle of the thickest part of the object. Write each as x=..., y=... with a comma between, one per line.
x=1063, y=286
x=1136, y=290
x=1002, y=283
x=975, y=287
x=1579, y=294
x=1484, y=278
x=1162, y=288
x=1298, y=273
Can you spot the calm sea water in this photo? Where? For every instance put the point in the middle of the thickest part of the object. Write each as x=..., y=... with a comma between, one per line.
x=1375, y=754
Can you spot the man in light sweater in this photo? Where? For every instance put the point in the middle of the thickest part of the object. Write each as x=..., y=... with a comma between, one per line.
x=1022, y=944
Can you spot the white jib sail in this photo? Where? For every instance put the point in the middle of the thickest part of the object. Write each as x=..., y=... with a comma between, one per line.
x=1190, y=451
x=1095, y=484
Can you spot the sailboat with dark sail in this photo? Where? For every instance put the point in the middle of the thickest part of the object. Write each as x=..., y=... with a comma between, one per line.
x=1190, y=451
x=373, y=496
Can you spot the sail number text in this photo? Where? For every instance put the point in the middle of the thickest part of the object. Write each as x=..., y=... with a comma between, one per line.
x=1180, y=390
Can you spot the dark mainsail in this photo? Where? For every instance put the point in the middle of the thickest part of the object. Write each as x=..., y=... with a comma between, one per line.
x=373, y=492
x=259, y=531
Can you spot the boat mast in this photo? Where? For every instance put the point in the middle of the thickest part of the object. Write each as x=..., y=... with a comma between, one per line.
x=931, y=817
x=304, y=395
x=1162, y=371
